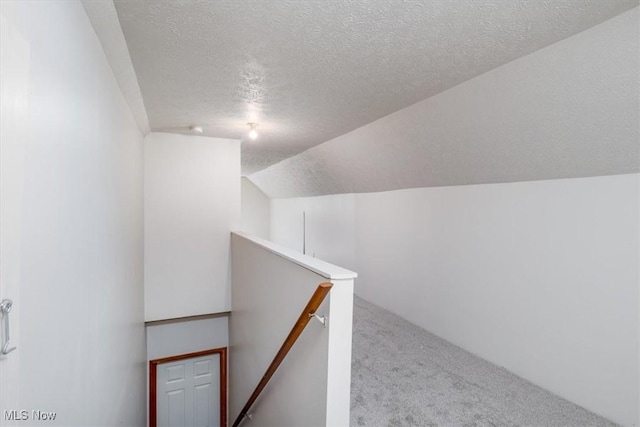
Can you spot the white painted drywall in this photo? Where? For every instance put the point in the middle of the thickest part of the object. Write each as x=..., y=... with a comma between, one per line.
x=74, y=237
x=329, y=227
x=539, y=277
x=187, y=336
x=270, y=289
x=256, y=210
x=287, y=222
x=568, y=110
x=191, y=204
x=104, y=18
x=14, y=118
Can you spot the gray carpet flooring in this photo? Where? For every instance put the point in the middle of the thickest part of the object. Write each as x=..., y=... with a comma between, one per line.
x=403, y=375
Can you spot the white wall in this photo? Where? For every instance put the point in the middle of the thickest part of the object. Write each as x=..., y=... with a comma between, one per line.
x=72, y=167
x=106, y=23
x=191, y=204
x=329, y=220
x=271, y=287
x=187, y=336
x=539, y=277
x=256, y=210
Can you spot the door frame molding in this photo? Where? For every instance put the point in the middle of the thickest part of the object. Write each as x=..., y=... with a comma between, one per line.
x=153, y=366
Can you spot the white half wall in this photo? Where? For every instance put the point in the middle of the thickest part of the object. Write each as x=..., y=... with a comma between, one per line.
x=540, y=277
x=191, y=204
x=256, y=210
x=72, y=249
x=271, y=287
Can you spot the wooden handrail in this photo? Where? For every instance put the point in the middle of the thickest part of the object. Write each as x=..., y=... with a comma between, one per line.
x=316, y=299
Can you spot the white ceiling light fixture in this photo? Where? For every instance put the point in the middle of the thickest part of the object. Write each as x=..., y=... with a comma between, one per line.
x=196, y=129
x=253, y=133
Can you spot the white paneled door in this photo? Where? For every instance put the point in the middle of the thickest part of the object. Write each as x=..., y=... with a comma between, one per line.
x=191, y=391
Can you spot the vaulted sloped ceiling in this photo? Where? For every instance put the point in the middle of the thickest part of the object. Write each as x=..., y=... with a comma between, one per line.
x=568, y=110
x=311, y=71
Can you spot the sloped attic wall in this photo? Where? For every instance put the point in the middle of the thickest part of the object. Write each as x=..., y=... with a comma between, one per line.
x=569, y=110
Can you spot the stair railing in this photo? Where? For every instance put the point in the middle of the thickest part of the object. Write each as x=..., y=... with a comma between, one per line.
x=309, y=312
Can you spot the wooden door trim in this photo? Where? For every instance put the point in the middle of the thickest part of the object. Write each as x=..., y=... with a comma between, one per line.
x=153, y=367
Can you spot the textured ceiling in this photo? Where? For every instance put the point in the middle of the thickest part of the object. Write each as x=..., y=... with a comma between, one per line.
x=569, y=110
x=309, y=71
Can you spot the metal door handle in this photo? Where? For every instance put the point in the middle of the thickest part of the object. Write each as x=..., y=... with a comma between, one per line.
x=5, y=308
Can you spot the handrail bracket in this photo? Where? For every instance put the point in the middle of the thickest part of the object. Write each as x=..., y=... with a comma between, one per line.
x=321, y=319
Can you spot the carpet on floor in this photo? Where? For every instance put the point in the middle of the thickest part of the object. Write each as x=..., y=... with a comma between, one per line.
x=402, y=375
